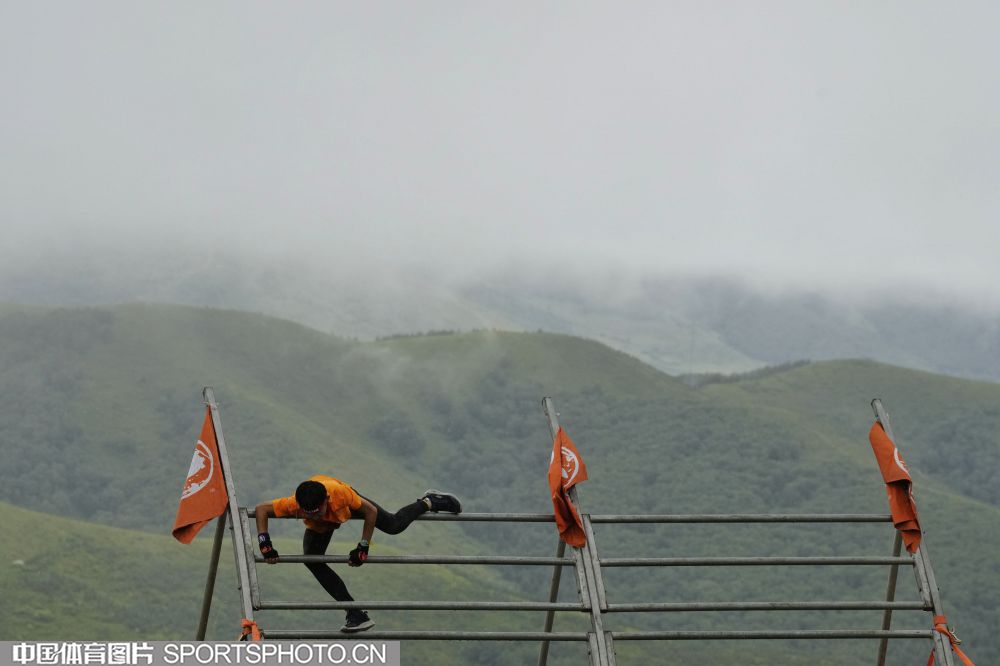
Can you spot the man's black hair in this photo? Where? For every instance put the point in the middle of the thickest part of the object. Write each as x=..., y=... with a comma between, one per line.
x=310, y=494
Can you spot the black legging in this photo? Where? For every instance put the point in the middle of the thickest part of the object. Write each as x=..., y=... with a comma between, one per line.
x=316, y=543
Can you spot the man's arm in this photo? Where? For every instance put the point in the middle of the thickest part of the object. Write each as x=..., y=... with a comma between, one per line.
x=370, y=513
x=359, y=555
x=264, y=511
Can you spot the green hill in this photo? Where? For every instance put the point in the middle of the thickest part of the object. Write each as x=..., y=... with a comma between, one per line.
x=102, y=407
x=948, y=428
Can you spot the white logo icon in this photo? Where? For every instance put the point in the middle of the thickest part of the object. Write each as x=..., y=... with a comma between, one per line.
x=201, y=471
x=570, y=466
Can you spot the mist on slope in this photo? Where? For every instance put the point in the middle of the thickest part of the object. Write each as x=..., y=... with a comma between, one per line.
x=679, y=322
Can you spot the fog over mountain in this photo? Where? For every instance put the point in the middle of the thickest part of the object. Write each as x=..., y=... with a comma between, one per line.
x=711, y=187
x=679, y=323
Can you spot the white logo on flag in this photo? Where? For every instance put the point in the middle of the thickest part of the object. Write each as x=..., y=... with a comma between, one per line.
x=201, y=471
x=570, y=466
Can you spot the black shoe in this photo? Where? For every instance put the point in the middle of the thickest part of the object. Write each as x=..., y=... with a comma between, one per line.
x=357, y=622
x=443, y=501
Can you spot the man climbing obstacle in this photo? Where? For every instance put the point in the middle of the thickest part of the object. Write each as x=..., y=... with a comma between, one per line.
x=325, y=503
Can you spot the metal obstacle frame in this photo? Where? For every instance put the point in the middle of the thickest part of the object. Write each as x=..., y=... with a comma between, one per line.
x=588, y=568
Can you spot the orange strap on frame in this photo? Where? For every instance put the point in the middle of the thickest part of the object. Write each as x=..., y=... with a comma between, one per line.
x=250, y=629
x=941, y=626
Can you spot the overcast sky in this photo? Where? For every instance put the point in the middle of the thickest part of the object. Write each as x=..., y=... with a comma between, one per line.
x=799, y=142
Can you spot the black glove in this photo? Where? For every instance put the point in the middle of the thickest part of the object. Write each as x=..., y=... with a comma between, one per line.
x=267, y=549
x=359, y=555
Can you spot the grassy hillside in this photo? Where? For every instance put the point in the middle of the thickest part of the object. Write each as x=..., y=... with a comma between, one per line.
x=947, y=428
x=102, y=407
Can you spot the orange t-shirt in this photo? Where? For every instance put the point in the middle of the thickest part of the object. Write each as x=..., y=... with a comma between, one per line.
x=340, y=501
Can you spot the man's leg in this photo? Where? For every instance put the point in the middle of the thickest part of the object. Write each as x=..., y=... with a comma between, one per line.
x=316, y=543
x=394, y=523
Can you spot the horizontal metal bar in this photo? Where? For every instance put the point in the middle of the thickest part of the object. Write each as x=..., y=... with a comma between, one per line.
x=490, y=517
x=281, y=634
x=426, y=559
x=658, y=518
x=423, y=605
x=766, y=606
x=467, y=517
x=607, y=561
x=745, y=561
x=752, y=635
x=744, y=518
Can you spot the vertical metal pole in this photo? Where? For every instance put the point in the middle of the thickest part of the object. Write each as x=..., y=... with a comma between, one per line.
x=935, y=594
x=922, y=567
x=242, y=574
x=890, y=595
x=550, y=616
x=600, y=653
x=586, y=561
x=588, y=528
x=248, y=546
x=923, y=587
x=213, y=569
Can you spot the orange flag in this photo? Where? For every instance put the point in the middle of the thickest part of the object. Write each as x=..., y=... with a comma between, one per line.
x=898, y=485
x=566, y=469
x=204, y=496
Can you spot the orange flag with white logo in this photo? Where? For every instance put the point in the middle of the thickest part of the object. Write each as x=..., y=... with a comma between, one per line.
x=566, y=469
x=204, y=496
x=898, y=486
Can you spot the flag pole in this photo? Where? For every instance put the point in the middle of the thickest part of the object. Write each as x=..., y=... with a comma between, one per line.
x=550, y=616
x=242, y=571
x=590, y=581
x=890, y=595
x=922, y=569
x=213, y=569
